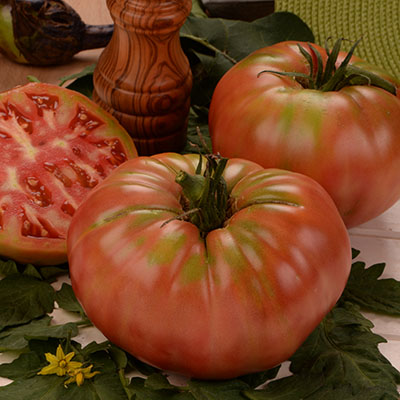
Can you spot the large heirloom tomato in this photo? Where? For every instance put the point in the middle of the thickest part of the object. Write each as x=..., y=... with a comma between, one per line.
x=55, y=146
x=344, y=133
x=236, y=297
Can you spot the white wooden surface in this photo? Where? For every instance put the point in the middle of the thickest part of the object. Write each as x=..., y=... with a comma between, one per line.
x=378, y=240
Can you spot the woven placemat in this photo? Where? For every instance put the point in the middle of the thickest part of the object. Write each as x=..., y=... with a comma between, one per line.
x=376, y=21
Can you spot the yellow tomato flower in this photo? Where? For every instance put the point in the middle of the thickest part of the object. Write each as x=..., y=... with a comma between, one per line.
x=60, y=363
x=79, y=375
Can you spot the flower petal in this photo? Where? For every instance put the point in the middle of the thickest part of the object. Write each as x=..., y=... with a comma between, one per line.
x=60, y=353
x=80, y=378
x=48, y=369
x=69, y=356
x=68, y=381
x=74, y=365
x=51, y=358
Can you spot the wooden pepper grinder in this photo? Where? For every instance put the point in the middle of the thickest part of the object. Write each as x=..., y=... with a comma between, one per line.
x=143, y=77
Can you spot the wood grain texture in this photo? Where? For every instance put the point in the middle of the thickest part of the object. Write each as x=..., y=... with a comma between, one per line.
x=143, y=77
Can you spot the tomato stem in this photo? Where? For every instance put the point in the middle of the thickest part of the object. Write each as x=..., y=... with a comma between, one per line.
x=205, y=195
x=331, y=78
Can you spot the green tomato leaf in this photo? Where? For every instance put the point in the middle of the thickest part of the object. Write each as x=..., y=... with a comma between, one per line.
x=218, y=390
x=81, y=82
x=197, y=9
x=8, y=267
x=119, y=357
x=289, y=388
x=32, y=271
x=34, y=388
x=257, y=379
x=198, y=122
x=83, y=85
x=17, y=338
x=24, y=298
x=94, y=347
x=48, y=272
x=139, y=390
x=346, y=350
x=105, y=386
x=85, y=72
x=340, y=358
x=140, y=366
x=51, y=272
x=214, y=45
x=303, y=387
x=158, y=381
x=51, y=387
x=25, y=366
x=65, y=298
x=237, y=39
x=32, y=78
x=371, y=293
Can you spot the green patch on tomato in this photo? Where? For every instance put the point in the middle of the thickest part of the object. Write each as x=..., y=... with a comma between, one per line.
x=193, y=269
x=166, y=249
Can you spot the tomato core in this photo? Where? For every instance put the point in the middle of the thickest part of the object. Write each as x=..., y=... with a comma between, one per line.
x=205, y=196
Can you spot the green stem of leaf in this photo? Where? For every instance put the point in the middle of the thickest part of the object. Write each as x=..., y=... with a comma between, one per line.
x=209, y=46
x=85, y=322
x=124, y=382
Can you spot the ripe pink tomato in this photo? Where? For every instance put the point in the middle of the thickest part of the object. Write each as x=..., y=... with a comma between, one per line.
x=237, y=299
x=347, y=138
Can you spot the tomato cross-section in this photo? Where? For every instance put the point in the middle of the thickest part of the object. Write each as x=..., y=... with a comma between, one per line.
x=55, y=145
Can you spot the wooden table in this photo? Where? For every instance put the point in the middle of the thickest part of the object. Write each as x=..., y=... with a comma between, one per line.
x=378, y=240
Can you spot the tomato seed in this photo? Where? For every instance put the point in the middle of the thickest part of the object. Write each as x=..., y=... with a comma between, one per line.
x=85, y=119
x=38, y=192
x=43, y=102
x=83, y=177
x=32, y=182
x=68, y=208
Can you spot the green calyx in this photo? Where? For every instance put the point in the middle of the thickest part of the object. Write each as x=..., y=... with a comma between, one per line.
x=204, y=195
x=328, y=77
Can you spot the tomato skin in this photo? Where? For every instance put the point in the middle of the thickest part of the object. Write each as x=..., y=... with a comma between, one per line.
x=56, y=145
x=241, y=300
x=347, y=140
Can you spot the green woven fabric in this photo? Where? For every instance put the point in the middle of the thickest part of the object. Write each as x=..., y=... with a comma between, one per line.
x=376, y=21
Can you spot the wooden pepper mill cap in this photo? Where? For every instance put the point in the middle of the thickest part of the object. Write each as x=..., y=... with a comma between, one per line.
x=151, y=16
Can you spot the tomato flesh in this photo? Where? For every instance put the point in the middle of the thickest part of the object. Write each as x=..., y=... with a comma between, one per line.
x=56, y=145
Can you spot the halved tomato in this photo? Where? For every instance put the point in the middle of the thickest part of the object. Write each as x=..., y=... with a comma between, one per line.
x=55, y=145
